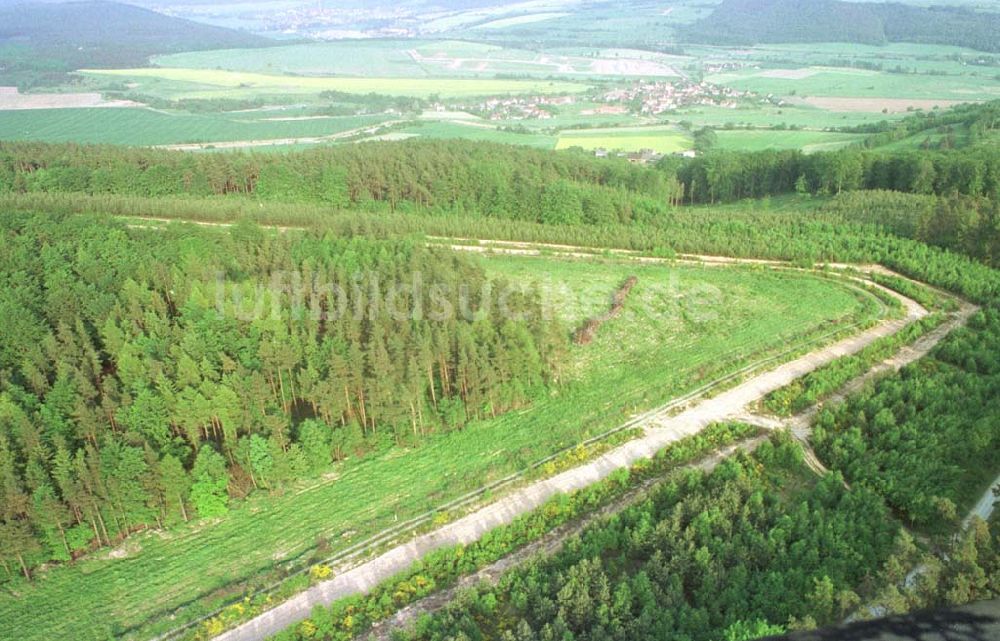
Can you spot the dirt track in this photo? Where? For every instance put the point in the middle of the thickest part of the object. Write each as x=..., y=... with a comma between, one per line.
x=663, y=430
x=545, y=546
x=984, y=507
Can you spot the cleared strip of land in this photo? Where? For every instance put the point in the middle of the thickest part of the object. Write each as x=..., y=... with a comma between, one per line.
x=665, y=427
x=176, y=575
x=800, y=425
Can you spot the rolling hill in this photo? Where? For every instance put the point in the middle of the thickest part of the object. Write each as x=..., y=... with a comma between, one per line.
x=748, y=22
x=38, y=38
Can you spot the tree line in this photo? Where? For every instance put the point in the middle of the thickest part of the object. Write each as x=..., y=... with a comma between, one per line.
x=147, y=377
x=979, y=120
x=494, y=181
x=964, y=224
x=722, y=176
x=454, y=177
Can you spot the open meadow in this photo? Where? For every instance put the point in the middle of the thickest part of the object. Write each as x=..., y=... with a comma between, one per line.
x=424, y=58
x=895, y=91
x=807, y=141
x=663, y=139
x=209, y=83
x=682, y=327
x=452, y=129
x=132, y=126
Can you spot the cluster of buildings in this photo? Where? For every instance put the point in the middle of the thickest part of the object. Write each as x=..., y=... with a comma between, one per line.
x=651, y=98
x=641, y=157
x=521, y=108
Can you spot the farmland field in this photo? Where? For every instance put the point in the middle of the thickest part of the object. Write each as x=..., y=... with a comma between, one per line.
x=660, y=139
x=822, y=87
x=530, y=18
x=387, y=59
x=682, y=326
x=489, y=133
x=862, y=83
x=598, y=24
x=764, y=116
x=808, y=141
x=214, y=83
x=148, y=127
x=914, y=58
x=423, y=58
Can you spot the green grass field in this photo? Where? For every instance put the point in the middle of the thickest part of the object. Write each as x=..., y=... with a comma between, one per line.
x=517, y=21
x=682, y=326
x=489, y=133
x=860, y=83
x=130, y=126
x=919, y=58
x=808, y=141
x=384, y=58
x=210, y=82
x=769, y=116
x=424, y=58
x=663, y=139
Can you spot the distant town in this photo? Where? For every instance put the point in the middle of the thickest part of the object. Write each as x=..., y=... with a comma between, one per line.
x=640, y=98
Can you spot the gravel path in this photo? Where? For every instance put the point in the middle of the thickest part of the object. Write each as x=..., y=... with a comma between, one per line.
x=663, y=430
x=801, y=423
x=984, y=508
x=548, y=545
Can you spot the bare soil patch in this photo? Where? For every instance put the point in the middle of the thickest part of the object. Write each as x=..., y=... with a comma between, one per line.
x=586, y=334
x=11, y=98
x=631, y=67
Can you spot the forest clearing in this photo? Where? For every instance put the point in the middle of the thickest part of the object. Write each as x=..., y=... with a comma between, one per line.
x=662, y=428
x=677, y=352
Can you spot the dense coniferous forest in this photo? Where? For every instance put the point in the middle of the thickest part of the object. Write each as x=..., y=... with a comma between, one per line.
x=454, y=177
x=926, y=440
x=748, y=22
x=136, y=393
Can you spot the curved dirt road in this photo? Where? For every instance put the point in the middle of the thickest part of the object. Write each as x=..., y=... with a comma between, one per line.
x=662, y=430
